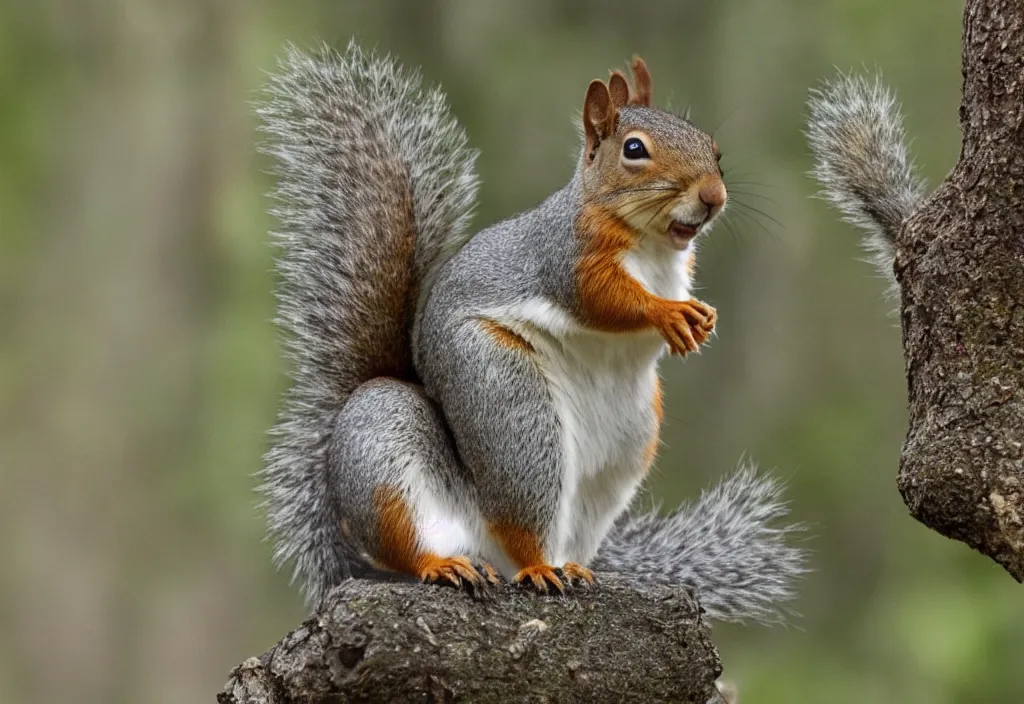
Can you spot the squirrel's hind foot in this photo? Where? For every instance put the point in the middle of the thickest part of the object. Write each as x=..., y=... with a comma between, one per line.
x=541, y=578
x=577, y=575
x=547, y=579
x=456, y=572
x=490, y=575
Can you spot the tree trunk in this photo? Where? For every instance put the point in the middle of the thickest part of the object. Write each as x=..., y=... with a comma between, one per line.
x=960, y=265
x=406, y=642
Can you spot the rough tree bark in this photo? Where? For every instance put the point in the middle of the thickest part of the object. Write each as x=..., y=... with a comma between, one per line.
x=960, y=266
x=404, y=642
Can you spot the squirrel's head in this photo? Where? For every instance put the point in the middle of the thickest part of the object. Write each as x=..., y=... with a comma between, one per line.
x=650, y=167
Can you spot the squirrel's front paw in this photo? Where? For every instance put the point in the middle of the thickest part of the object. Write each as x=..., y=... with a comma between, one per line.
x=686, y=325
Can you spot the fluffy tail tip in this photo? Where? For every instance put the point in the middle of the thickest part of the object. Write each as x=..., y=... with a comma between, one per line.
x=729, y=547
x=748, y=511
x=855, y=132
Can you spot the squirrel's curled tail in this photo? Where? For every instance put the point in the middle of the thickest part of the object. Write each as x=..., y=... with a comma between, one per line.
x=726, y=547
x=856, y=134
x=375, y=188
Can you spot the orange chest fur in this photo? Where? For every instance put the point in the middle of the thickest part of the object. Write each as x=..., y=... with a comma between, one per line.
x=610, y=297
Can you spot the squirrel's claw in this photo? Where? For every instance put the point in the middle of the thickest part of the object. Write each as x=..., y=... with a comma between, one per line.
x=686, y=325
x=490, y=575
x=712, y=318
x=455, y=572
x=541, y=578
x=577, y=575
x=699, y=314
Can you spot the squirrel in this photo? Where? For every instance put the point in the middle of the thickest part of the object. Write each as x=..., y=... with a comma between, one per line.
x=856, y=136
x=468, y=409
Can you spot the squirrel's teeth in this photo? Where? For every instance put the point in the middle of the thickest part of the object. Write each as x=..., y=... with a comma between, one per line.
x=681, y=234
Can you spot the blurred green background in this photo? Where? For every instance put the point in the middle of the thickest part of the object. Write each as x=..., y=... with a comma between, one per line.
x=139, y=370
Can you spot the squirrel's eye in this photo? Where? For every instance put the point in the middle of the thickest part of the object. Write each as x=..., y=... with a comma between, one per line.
x=635, y=149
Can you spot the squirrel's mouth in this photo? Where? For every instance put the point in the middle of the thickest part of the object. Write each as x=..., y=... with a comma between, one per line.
x=681, y=233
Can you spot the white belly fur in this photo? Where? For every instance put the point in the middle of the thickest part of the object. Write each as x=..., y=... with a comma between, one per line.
x=603, y=392
x=603, y=387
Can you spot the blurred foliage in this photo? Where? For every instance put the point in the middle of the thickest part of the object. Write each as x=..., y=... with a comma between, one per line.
x=139, y=370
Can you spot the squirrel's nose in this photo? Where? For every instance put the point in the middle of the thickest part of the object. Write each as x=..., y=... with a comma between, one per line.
x=712, y=194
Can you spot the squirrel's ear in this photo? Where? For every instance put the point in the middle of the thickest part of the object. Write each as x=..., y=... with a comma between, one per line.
x=618, y=88
x=598, y=116
x=642, y=80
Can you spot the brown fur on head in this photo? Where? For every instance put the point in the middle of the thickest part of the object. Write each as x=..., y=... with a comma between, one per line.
x=654, y=170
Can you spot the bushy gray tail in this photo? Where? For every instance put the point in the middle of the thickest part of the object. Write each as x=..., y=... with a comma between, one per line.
x=725, y=547
x=375, y=188
x=856, y=134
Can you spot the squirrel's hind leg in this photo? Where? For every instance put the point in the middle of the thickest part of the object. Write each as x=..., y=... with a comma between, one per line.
x=401, y=490
x=497, y=400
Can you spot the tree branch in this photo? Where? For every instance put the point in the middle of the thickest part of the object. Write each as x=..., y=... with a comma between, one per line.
x=376, y=641
x=960, y=265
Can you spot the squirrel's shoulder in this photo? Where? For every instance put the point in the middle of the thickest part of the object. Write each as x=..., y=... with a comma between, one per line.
x=549, y=219
x=513, y=253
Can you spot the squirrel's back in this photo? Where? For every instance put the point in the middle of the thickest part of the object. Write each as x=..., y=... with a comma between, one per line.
x=375, y=188
x=509, y=260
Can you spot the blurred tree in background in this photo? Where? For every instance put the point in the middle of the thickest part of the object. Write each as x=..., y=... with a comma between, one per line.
x=139, y=369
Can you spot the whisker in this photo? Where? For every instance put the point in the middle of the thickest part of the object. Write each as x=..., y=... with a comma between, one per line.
x=731, y=113
x=638, y=189
x=749, y=218
x=715, y=242
x=730, y=182
x=748, y=221
x=644, y=205
x=749, y=194
x=759, y=212
x=727, y=221
x=657, y=213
